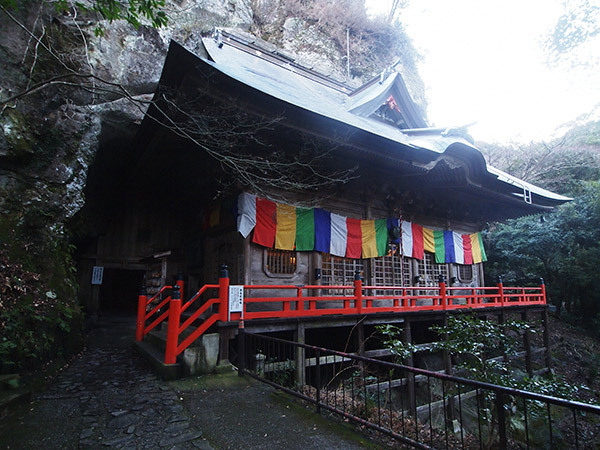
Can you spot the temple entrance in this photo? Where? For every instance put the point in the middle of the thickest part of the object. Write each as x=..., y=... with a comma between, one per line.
x=120, y=289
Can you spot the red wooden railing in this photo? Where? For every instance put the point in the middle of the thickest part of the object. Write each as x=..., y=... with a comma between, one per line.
x=316, y=300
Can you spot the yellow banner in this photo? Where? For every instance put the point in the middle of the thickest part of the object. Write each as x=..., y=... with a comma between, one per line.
x=285, y=235
x=369, y=239
x=428, y=240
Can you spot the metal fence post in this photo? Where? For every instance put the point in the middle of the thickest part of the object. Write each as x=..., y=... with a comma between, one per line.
x=500, y=402
x=173, y=326
x=141, y=315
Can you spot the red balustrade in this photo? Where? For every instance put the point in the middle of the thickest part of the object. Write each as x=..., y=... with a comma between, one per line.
x=314, y=301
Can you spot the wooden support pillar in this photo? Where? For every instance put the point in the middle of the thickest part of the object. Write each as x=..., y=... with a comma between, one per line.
x=446, y=354
x=501, y=321
x=225, y=334
x=410, y=379
x=300, y=356
x=546, y=326
x=527, y=345
x=360, y=338
x=447, y=357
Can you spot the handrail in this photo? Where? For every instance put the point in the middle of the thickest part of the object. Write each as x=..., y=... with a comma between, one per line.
x=315, y=301
x=198, y=294
x=143, y=315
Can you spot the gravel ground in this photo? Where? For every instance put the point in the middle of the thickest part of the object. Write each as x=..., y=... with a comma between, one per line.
x=109, y=397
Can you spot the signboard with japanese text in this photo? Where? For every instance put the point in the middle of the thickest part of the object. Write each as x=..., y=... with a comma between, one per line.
x=97, y=274
x=236, y=299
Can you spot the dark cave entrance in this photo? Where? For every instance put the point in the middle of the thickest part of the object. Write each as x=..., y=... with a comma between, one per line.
x=142, y=219
x=119, y=290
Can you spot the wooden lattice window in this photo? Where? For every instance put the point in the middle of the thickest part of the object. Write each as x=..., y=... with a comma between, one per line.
x=280, y=262
x=430, y=271
x=465, y=273
x=392, y=269
x=338, y=271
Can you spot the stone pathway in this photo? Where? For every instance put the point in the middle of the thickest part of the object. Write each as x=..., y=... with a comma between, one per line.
x=108, y=397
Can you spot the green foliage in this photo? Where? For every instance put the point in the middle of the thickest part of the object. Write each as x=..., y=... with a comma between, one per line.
x=563, y=247
x=40, y=318
x=476, y=341
x=472, y=341
x=392, y=339
x=476, y=344
x=133, y=12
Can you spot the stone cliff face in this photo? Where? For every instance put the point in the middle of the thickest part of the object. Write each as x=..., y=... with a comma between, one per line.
x=49, y=138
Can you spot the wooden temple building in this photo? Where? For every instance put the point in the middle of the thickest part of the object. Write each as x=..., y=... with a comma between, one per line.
x=329, y=205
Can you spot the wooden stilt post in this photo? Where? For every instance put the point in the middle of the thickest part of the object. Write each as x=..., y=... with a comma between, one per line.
x=446, y=354
x=410, y=379
x=360, y=339
x=527, y=345
x=300, y=355
x=448, y=367
x=501, y=321
x=546, y=326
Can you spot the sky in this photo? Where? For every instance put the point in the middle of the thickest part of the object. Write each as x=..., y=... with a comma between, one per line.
x=483, y=62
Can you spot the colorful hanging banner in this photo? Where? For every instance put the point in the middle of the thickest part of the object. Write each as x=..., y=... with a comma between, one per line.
x=459, y=248
x=287, y=227
x=305, y=229
x=264, y=231
x=354, y=240
x=322, y=230
x=339, y=235
x=285, y=234
x=467, y=249
x=246, y=220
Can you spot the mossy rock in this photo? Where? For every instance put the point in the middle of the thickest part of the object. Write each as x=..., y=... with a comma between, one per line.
x=16, y=138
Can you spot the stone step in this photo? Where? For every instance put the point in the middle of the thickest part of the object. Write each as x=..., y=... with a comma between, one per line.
x=156, y=357
x=158, y=338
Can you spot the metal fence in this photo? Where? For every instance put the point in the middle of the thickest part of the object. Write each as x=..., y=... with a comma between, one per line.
x=419, y=408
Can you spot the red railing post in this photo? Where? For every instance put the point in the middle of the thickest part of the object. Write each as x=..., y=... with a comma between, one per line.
x=299, y=302
x=443, y=296
x=179, y=283
x=543, y=290
x=358, y=292
x=173, y=326
x=500, y=286
x=223, y=293
x=141, y=315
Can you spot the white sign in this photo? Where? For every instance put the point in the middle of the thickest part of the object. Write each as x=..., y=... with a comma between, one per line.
x=97, y=274
x=236, y=299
